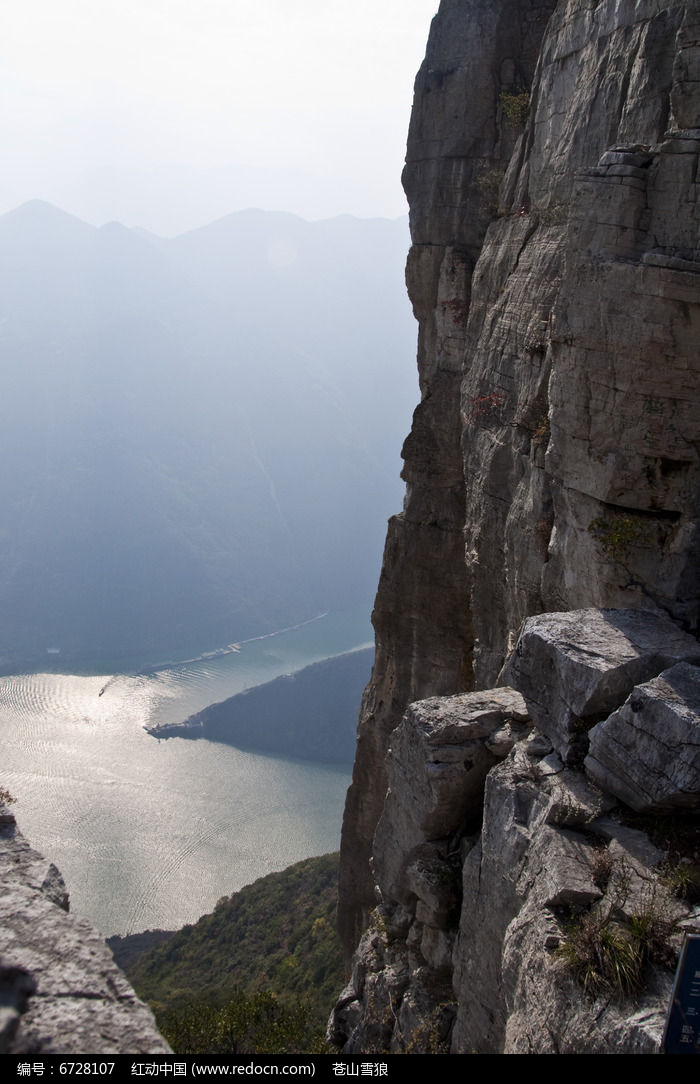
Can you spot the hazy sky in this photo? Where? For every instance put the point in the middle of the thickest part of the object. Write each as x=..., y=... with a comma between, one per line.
x=169, y=113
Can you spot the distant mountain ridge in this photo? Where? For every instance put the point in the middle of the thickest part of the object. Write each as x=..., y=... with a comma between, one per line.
x=199, y=433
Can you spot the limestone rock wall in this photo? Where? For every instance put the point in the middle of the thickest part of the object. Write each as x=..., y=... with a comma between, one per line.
x=508, y=881
x=60, y=990
x=552, y=175
x=458, y=148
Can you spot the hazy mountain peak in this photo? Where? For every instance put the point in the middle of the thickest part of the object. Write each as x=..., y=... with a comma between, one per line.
x=45, y=214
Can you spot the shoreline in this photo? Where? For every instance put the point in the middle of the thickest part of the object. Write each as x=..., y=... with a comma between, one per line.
x=188, y=727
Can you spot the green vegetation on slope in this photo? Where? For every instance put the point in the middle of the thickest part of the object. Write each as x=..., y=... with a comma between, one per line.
x=267, y=957
x=247, y=1024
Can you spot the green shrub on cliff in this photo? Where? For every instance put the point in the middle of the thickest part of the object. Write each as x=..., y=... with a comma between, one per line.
x=247, y=1024
x=515, y=106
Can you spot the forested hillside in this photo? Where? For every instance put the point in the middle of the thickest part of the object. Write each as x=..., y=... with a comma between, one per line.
x=274, y=943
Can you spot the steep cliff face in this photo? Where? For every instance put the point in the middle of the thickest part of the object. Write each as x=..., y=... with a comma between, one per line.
x=552, y=175
x=458, y=148
x=553, y=458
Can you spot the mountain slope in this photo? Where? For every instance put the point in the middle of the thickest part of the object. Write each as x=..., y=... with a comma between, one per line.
x=276, y=935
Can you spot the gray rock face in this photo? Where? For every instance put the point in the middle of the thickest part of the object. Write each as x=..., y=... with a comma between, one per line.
x=458, y=148
x=436, y=768
x=551, y=171
x=60, y=990
x=572, y=668
x=539, y=854
x=496, y=876
x=647, y=753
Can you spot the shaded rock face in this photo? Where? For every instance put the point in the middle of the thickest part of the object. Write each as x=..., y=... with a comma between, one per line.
x=457, y=153
x=60, y=990
x=439, y=758
x=502, y=874
x=552, y=175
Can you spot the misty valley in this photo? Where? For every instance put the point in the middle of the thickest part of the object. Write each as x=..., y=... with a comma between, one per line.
x=199, y=444
x=200, y=434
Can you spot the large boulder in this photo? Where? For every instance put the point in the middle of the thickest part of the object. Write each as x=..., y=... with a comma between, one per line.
x=436, y=767
x=575, y=668
x=60, y=990
x=648, y=751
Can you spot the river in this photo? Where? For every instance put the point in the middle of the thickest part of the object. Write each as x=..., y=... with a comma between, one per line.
x=147, y=833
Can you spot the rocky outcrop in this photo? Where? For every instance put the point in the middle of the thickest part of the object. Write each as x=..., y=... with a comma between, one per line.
x=552, y=175
x=574, y=668
x=521, y=907
x=648, y=752
x=60, y=990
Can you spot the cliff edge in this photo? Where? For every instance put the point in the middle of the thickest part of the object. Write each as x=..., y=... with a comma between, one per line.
x=60, y=990
x=552, y=177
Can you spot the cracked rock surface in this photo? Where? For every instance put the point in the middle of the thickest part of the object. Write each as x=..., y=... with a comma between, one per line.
x=60, y=990
x=648, y=751
x=502, y=873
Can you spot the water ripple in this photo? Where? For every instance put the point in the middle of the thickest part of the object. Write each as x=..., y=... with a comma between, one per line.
x=148, y=832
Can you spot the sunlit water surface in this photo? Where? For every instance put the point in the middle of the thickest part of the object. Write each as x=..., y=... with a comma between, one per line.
x=148, y=833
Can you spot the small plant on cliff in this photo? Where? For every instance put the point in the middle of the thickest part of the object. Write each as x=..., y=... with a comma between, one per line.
x=542, y=431
x=602, y=868
x=5, y=797
x=678, y=834
x=684, y=882
x=487, y=186
x=607, y=951
x=433, y=1035
x=653, y=927
x=618, y=534
x=515, y=107
x=602, y=956
x=681, y=876
x=485, y=405
x=458, y=310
